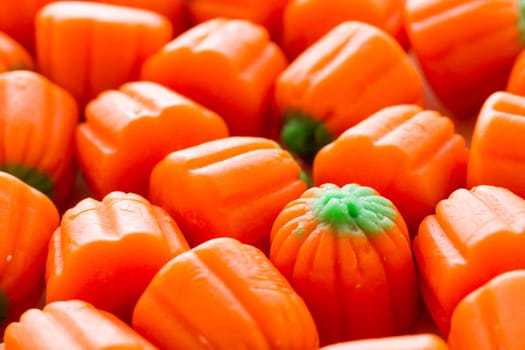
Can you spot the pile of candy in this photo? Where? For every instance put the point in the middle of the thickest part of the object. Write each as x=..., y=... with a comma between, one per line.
x=279, y=174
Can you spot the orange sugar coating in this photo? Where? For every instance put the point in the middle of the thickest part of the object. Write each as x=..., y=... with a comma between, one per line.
x=127, y=131
x=412, y=156
x=227, y=65
x=88, y=47
x=473, y=236
x=107, y=252
x=497, y=151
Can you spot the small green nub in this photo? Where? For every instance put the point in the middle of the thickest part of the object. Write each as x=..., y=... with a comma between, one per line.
x=4, y=308
x=521, y=20
x=303, y=176
x=31, y=176
x=353, y=209
x=304, y=135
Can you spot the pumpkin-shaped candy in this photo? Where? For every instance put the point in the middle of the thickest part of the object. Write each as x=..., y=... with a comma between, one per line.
x=346, y=251
x=223, y=295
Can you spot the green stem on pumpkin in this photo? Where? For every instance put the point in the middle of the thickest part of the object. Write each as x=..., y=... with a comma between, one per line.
x=304, y=135
x=31, y=176
x=353, y=209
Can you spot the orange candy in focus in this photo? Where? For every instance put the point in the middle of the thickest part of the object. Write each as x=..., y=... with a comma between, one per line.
x=226, y=65
x=497, y=151
x=106, y=252
x=127, y=131
x=223, y=295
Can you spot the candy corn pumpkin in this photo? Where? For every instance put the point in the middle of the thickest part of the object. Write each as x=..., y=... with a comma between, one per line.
x=38, y=121
x=497, y=151
x=226, y=65
x=473, y=236
x=306, y=21
x=89, y=47
x=27, y=221
x=13, y=56
x=414, y=157
x=340, y=80
x=72, y=324
x=223, y=294
x=106, y=252
x=422, y=341
x=466, y=48
x=127, y=131
x=492, y=316
x=346, y=251
x=232, y=187
x=266, y=13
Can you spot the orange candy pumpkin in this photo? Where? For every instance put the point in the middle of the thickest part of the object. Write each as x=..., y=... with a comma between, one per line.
x=340, y=80
x=414, y=157
x=497, y=150
x=89, y=47
x=232, y=187
x=72, y=324
x=38, y=121
x=306, y=21
x=473, y=236
x=106, y=252
x=466, y=48
x=223, y=294
x=27, y=221
x=492, y=316
x=227, y=65
x=347, y=253
x=127, y=131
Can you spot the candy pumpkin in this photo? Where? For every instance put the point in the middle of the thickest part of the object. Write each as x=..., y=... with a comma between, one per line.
x=497, y=150
x=223, y=294
x=106, y=252
x=88, y=47
x=27, y=221
x=127, y=131
x=38, y=121
x=466, y=48
x=492, y=316
x=340, y=80
x=414, y=157
x=72, y=324
x=347, y=253
x=233, y=187
x=299, y=15
x=227, y=65
x=13, y=56
x=473, y=236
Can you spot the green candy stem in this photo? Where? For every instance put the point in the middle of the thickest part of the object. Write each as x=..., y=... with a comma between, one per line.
x=4, y=308
x=521, y=21
x=31, y=176
x=304, y=135
x=353, y=209
x=304, y=176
